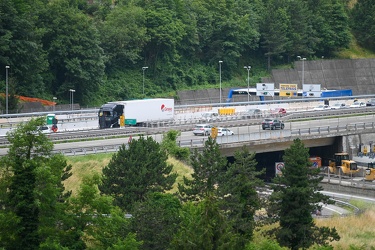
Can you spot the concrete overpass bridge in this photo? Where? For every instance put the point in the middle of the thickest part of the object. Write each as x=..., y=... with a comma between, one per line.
x=344, y=138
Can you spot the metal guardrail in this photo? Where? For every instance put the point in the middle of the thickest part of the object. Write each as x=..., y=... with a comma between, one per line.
x=233, y=140
x=90, y=115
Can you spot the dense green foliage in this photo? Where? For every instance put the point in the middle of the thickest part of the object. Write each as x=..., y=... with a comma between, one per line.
x=208, y=167
x=99, y=49
x=294, y=199
x=216, y=210
x=226, y=197
x=238, y=189
x=155, y=220
x=32, y=195
x=169, y=144
x=136, y=170
x=364, y=23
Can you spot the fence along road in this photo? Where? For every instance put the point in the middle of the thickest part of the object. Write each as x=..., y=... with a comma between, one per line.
x=243, y=134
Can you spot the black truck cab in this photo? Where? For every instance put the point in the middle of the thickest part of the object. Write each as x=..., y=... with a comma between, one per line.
x=109, y=115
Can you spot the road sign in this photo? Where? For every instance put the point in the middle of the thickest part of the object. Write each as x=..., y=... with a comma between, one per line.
x=130, y=121
x=214, y=132
x=265, y=89
x=278, y=167
x=287, y=89
x=311, y=90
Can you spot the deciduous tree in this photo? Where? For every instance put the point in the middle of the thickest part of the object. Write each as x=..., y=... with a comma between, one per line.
x=74, y=54
x=95, y=221
x=20, y=46
x=363, y=15
x=204, y=226
x=32, y=192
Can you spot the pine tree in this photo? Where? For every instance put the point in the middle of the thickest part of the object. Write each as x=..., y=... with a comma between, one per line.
x=135, y=171
x=239, y=194
x=208, y=167
x=294, y=199
x=156, y=220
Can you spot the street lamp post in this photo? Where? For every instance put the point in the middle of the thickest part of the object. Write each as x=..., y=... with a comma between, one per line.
x=248, y=82
x=143, y=69
x=6, y=88
x=220, y=62
x=54, y=105
x=71, y=97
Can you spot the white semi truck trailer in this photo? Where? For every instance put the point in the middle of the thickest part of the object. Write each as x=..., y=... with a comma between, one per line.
x=135, y=112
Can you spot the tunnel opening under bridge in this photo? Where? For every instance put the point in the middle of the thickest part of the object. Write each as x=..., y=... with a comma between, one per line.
x=267, y=160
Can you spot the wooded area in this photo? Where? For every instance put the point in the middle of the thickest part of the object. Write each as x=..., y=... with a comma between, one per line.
x=128, y=206
x=98, y=48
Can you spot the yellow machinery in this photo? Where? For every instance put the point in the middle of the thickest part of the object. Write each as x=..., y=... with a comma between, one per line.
x=342, y=162
x=370, y=172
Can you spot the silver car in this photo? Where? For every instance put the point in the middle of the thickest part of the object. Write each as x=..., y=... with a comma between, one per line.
x=202, y=129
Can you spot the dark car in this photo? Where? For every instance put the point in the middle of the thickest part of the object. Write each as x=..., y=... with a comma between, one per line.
x=370, y=102
x=272, y=124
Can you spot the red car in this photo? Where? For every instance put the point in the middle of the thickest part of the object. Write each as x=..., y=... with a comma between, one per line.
x=279, y=111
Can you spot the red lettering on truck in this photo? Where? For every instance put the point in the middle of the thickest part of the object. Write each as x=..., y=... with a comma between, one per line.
x=165, y=108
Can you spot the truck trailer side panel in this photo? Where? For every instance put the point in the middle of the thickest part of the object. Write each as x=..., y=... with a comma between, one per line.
x=149, y=110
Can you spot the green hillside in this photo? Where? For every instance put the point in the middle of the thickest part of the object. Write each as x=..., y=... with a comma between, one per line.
x=99, y=48
x=358, y=236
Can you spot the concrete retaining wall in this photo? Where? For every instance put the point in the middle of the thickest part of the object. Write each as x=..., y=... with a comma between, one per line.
x=358, y=75
x=355, y=74
x=360, y=191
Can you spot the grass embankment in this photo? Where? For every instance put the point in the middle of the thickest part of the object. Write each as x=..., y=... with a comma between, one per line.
x=356, y=232
x=354, y=52
x=90, y=164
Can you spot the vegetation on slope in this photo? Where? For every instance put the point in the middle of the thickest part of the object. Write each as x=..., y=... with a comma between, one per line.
x=358, y=236
x=98, y=49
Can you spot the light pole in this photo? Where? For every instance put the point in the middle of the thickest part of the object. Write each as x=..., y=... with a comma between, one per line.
x=220, y=62
x=248, y=82
x=6, y=88
x=54, y=105
x=143, y=69
x=71, y=97
x=303, y=69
